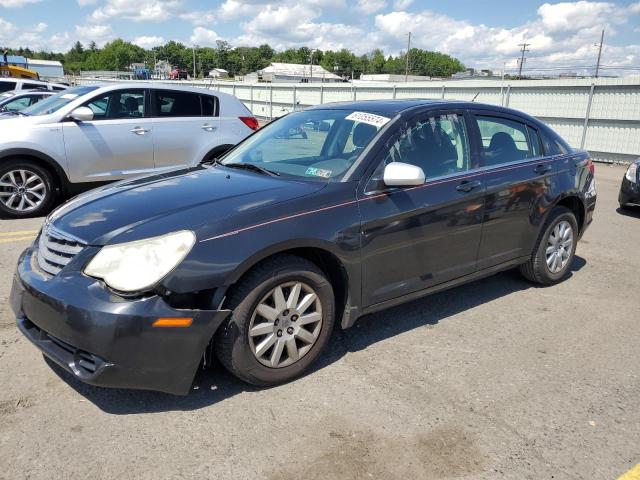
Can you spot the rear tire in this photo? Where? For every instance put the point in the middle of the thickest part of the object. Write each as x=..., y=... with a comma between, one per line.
x=283, y=315
x=26, y=189
x=554, y=250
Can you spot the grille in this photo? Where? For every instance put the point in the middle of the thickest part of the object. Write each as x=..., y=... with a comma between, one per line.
x=55, y=250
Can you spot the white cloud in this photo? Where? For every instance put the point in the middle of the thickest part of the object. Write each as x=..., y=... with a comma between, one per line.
x=563, y=35
x=17, y=3
x=289, y=25
x=200, y=18
x=571, y=16
x=40, y=27
x=148, y=41
x=137, y=11
x=204, y=37
x=402, y=4
x=84, y=3
x=231, y=9
x=100, y=34
x=6, y=29
x=370, y=6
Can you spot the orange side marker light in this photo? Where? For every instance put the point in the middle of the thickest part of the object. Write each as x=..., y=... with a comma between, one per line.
x=173, y=322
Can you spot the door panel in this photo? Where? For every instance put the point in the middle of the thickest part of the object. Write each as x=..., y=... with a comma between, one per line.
x=417, y=237
x=185, y=125
x=116, y=144
x=518, y=182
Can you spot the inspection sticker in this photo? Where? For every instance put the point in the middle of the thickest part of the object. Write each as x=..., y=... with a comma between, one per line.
x=370, y=118
x=318, y=172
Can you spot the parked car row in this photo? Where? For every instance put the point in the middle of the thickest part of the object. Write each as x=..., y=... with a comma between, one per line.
x=317, y=219
x=90, y=135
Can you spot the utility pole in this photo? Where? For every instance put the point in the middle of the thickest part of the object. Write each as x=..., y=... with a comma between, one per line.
x=524, y=50
x=599, y=53
x=406, y=69
x=194, y=61
x=311, y=67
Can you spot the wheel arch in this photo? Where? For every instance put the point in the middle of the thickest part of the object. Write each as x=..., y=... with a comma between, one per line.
x=577, y=207
x=318, y=253
x=43, y=160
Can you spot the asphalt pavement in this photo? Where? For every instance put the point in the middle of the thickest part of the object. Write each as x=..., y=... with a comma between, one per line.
x=494, y=379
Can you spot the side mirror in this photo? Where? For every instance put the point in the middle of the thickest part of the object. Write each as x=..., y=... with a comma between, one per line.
x=399, y=174
x=81, y=114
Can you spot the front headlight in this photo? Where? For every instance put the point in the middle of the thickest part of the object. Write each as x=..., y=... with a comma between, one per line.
x=136, y=266
x=632, y=172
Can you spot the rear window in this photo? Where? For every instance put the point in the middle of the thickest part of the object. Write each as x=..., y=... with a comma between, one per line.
x=171, y=103
x=6, y=86
x=29, y=86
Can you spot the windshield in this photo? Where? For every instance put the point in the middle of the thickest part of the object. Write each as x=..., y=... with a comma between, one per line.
x=315, y=144
x=57, y=101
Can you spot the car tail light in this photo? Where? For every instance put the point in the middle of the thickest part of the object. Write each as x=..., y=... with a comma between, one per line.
x=592, y=167
x=251, y=122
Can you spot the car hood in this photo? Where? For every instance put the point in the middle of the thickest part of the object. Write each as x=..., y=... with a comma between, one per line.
x=201, y=199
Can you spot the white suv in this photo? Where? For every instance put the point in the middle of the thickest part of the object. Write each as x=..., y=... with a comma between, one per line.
x=7, y=84
x=89, y=135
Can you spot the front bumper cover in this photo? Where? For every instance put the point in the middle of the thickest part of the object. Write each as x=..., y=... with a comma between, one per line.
x=106, y=340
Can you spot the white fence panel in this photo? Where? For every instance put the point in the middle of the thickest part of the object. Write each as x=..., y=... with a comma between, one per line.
x=601, y=115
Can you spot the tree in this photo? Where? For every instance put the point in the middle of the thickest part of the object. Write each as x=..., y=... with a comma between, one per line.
x=119, y=55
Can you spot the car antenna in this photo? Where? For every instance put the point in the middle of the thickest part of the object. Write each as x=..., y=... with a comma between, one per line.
x=475, y=96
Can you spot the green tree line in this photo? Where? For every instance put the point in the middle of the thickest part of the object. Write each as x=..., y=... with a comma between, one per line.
x=119, y=54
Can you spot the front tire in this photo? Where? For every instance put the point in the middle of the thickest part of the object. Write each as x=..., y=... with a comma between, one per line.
x=283, y=315
x=26, y=189
x=554, y=250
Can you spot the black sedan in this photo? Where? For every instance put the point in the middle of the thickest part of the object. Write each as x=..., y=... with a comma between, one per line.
x=630, y=188
x=257, y=255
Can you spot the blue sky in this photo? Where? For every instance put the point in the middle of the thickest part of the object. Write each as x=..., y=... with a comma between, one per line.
x=479, y=32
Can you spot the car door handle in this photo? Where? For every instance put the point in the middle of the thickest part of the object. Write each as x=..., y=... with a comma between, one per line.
x=139, y=130
x=208, y=127
x=467, y=186
x=542, y=168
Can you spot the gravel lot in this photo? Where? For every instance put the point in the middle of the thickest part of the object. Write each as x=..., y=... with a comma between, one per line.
x=495, y=379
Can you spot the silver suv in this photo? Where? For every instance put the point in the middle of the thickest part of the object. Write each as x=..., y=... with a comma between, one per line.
x=89, y=135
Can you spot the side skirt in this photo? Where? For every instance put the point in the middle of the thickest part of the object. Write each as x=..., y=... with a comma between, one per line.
x=487, y=272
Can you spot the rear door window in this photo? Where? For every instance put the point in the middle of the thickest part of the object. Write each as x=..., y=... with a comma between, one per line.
x=29, y=86
x=504, y=140
x=6, y=86
x=209, y=105
x=173, y=103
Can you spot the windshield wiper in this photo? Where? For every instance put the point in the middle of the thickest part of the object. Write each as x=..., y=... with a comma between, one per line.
x=250, y=166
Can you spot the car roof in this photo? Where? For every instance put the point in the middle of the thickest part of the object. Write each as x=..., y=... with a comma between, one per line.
x=163, y=86
x=32, y=80
x=393, y=107
x=389, y=107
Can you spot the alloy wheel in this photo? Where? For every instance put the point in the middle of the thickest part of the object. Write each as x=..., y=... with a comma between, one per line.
x=559, y=247
x=22, y=190
x=285, y=325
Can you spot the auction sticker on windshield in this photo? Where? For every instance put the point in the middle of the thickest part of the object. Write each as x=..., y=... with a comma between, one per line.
x=318, y=172
x=369, y=118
